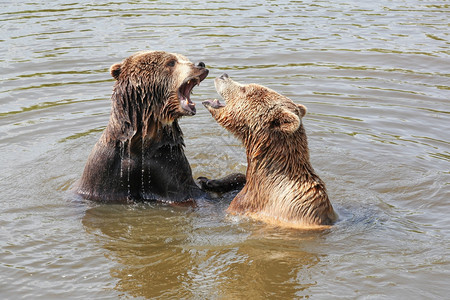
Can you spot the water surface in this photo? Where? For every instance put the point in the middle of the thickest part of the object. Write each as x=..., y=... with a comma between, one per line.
x=374, y=77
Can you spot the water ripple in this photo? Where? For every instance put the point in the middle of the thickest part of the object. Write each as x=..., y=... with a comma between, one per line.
x=374, y=76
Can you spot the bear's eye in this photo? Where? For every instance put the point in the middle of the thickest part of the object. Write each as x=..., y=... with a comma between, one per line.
x=171, y=63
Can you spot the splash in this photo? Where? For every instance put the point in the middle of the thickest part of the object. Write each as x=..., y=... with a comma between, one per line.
x=142, y=167
x=129, y=169
x=122, y=154
x=125, y=166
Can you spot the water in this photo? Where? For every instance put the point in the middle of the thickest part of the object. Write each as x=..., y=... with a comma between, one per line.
x=374, y=77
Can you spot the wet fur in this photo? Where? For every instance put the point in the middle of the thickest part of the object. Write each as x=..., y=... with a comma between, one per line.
x=282, y=186
x=140, y=155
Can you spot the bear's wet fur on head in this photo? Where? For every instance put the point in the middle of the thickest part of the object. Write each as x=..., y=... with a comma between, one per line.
x=140, y=155
x=153, y=89
x=282, y=186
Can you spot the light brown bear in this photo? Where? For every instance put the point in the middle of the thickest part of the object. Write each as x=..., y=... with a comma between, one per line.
x=282, y=187
x=140, y=155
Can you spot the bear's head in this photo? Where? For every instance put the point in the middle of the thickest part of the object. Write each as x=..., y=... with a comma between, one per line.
x=155, y=86
x=254, y=110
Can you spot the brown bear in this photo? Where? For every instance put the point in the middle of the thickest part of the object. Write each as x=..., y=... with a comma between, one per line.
x=282, y=186
x=140, y=155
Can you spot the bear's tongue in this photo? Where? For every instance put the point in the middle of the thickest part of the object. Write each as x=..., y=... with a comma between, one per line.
x=185, y=99
x=188, y=105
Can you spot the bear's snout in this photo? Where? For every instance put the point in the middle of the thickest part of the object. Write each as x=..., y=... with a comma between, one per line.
x=201, y=65
x=224, y=76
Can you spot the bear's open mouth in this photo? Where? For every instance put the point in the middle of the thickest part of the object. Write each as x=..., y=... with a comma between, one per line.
x=213, y=103
x=185, y=90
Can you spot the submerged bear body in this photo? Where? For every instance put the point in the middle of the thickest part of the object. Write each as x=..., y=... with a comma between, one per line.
x=139, y=169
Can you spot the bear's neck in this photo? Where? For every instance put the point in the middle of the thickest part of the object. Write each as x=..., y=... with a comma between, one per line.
x=279, y=154
x=140, y=119
x=151, y=133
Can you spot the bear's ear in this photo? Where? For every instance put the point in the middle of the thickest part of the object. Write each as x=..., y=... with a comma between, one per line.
x=115, y=70
x=302, y=109
x=286, y=121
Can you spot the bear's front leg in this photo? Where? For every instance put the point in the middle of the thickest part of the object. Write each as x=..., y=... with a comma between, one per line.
x=235, y=181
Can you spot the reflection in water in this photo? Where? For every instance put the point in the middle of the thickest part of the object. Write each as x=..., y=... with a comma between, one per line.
x=172, y=252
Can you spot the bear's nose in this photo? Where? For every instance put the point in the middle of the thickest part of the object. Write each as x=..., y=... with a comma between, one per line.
x=201, y=65
x=224, y=76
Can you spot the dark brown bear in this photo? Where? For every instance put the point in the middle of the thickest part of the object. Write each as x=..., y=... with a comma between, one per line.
x=282, y=186
x=140, y=155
